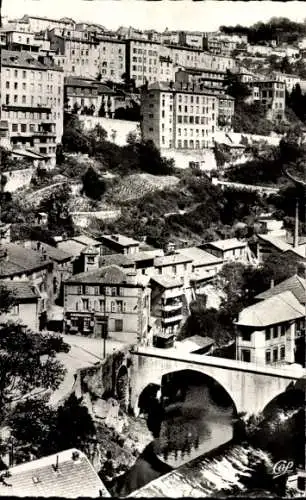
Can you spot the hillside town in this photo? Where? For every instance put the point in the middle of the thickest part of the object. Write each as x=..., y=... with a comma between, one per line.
x=152, y=259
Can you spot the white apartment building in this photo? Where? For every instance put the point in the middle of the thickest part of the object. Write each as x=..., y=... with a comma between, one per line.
x=179, y=117
x=267, y=332
x=142, y=61
x=37, y=23
x=290, y=81
x=32, y=93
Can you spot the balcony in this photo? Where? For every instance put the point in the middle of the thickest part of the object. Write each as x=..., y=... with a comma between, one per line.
x=172, y=293
x=172, y=319
x=171, y=307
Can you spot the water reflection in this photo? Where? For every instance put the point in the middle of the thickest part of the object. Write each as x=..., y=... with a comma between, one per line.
x=192, y=427
x=186, y=424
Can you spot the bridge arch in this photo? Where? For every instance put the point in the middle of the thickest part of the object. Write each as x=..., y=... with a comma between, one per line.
x=250, y=387
x=291, y=398
x=145, y=386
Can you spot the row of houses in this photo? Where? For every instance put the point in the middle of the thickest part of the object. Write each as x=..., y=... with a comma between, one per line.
x=86, y=52
x=117, y=286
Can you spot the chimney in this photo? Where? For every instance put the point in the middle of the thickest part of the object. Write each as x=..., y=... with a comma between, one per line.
x=296, y=226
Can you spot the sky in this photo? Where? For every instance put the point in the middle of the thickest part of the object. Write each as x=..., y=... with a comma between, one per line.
x=175, y=15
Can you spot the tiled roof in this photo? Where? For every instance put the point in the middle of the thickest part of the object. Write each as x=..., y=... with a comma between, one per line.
x=86, y=240
x=227, y=244
x=199, y=257
x=200, y=341
x=112, y=275
x=145, y=255
x=72, y=247
x=171, y=259
x=278, y=243
x=52, y=253
x=167, y=282
x=72, y=479
x=176, y=87
x=274, y=310
x=20, y=260
x=283, y=246
x=120, y=239
x=118, y=259
x=24, y=59
x=21, y=289
x=295, y=284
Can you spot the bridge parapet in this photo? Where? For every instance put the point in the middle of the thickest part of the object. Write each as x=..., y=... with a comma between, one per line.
x=250, y=386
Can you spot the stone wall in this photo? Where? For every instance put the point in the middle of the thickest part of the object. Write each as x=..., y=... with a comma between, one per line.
x=17, y=179
x=83, y=219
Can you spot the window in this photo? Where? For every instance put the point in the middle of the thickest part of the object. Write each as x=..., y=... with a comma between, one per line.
x=118, y=325
x=113, y=306
x=24, y=99
x=85, y=304
x=174, y=269
x=282, y=352
x=24, y=74
x=23, y=127
x=7, y=85
x=119, y=306
x=275, y=332
x=15, y=127
x=246, y=336
x=283, y=330
x=268, y=357
x=102, y=305
x=246, y=355
x=114, y=292
x=268, y=334
x=86, y=324
x=275, y=354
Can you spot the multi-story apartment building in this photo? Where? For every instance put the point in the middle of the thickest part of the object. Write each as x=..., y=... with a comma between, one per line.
x=267, y=332
x=170, y=37
x=167, y=303
x=107, y=300
x=198, y=58
x=290, y=80
x=198, y=76
x=271, y=95
x=179, y=117
x=214, y=81
x=191, y=38
x=142, y=61
x=32, y=91
x=37, y=23
x=79, y=52
x=112, y=59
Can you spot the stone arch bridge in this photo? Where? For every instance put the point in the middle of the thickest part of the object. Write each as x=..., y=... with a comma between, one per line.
x=250, y=386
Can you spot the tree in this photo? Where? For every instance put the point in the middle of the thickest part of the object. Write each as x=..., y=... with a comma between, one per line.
x=7, y=299
x=93, y=185
x=74, y=426
x=28, y=365
x=235, y=87
x=46, y=430
x=57, y=208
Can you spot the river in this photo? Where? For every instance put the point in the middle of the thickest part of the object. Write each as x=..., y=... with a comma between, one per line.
x=197, y=418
